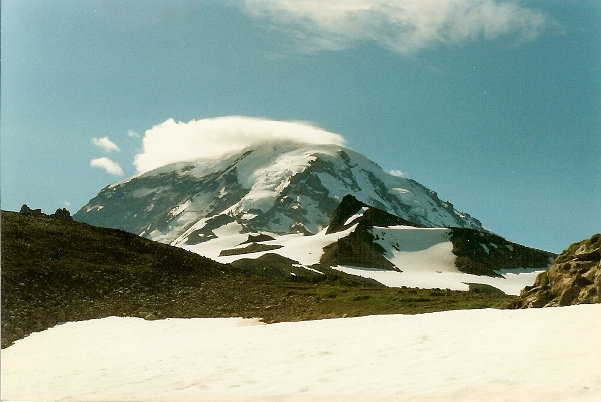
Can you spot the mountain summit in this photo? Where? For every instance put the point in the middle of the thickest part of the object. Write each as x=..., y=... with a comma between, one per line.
x=276, y=188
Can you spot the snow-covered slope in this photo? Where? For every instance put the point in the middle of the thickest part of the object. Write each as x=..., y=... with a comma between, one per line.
x=549, y=354
x=437, y=258
x=422, y=257
x=276, y=188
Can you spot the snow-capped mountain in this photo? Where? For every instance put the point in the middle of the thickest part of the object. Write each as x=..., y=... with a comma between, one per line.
x=275, y=188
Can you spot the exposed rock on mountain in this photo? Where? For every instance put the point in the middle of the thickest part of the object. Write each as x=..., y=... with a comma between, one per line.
x=359, y=248
x=483, y=253
x=476, y=252
x=574, y=278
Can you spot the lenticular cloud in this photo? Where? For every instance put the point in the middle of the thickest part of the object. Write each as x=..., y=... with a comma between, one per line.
x=173, y=141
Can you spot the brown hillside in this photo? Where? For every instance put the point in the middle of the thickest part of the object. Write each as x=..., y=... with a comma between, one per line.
x=56, y=270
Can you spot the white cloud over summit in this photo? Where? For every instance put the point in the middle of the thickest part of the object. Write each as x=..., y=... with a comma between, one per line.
x=172, y=141
x=403, y=26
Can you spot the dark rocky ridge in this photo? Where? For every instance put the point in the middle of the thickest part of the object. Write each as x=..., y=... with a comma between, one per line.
x=250, y=248
x=358, y=248
x=477, y=252
x=482, y=253
x=373, y=216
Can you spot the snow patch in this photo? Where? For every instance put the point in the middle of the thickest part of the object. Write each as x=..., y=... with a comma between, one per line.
x=145, y=191
x=180, y=208
x=512, y=283
x=155, y=235
x=519, y=354
x=307, y=268
x=307, y=250
x=228, y=236
x=356, y=216
x=417, y=249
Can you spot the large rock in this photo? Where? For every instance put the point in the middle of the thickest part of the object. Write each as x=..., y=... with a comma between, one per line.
x=574, y=278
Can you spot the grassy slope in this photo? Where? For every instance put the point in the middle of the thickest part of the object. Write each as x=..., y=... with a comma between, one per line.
x=55, y=271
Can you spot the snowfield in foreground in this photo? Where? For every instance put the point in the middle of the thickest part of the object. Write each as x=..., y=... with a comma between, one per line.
x=516, y=355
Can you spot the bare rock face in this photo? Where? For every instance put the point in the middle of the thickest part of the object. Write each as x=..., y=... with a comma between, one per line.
x=574, y=278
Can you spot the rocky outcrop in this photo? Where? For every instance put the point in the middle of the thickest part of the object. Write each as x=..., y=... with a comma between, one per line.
x=359, y=249
x=483, y=253
x=250, y=248
x=574, y=278
x=25, y=210
x=60, y=213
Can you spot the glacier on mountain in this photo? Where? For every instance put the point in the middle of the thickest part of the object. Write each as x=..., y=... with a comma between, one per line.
x=275, y=188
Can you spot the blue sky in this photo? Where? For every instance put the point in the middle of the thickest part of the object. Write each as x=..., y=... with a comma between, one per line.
x=496, y=105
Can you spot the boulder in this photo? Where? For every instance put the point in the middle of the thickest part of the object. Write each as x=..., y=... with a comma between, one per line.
x=62, y=214
x=25, y=210
x=574, y=278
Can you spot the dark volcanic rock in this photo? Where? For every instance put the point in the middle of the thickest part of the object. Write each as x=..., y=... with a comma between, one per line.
x=372, y=216
x=258, y=238
x=356, y=250
x=359, y=249
x=63, y=214
x=481, y=253
x=251, y=248
x=348, y=207
x=274, y=266
x=25, y=210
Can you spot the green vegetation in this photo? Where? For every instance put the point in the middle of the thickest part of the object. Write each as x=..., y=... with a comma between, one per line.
x=543, y=280
x=588, y=245
x=59, y=270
